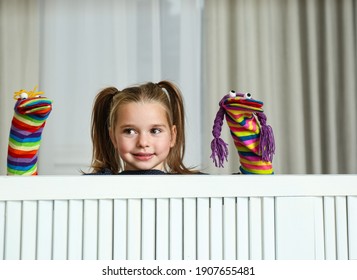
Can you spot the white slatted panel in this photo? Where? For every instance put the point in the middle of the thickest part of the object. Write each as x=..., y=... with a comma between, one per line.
x=341, y=228
x=105, y=229
x=189, y=229
x=44, y=230
x=13, y=230
x=176, y=223
x=330, y=228
x=29, y=230
x=319, y=228
x=352, y=227
x=60, y=230
x=2, y=229
x=181, y=228
x=295, y=228
x=242, y=228
x=268, y=228
x=90, y=229
x=216, y=229
x=162, y=229
x=120, y=229
x=203, y=228
x=255, y=228
x=229, y=229
x=75, y=229
x=134, y=229
x=148, y=228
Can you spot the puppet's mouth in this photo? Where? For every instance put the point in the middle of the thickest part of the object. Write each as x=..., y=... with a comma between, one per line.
x=245, y=104
x=34, y=106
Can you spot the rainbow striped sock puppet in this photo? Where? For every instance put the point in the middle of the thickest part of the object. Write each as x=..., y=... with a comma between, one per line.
x=252, y=137
x=31, y=113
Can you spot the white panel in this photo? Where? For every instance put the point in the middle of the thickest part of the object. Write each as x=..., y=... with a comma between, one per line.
x=29, y=230
x=13, y=230
x=216, y=229
x=60, y=229
x=242, y=228
x=319, y=229
x=162, y=229
x=255, y=228
x=134, y=229
x=120, y=229
x=341, y=228
x=306, y=228
x=295, y=228
x=176, y=223
x=90, y=229
x=203, y=228
x=189, y=228
x=352, y=227
x=93, y=187
x=148, y=228
x=44, y=230
x=105, y=230
x=229, y=229
x=330, y=228
x=268, y=228
x=75, y=229
x=2, y=229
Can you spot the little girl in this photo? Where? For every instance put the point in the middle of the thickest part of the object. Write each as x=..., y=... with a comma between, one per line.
x=139, y=130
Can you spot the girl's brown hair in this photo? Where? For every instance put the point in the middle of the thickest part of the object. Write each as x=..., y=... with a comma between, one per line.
x=104, y=117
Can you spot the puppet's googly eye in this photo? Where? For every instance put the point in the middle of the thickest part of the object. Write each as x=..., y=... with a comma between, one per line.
x=24, y=95
x=248, y=95
x=232, y=93
x=38, y=96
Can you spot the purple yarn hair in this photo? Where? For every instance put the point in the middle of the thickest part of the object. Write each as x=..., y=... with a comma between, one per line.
x=267, y=142
x=218, y=146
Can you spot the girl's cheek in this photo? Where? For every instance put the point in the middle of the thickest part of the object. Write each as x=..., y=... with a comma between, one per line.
x=123, y=144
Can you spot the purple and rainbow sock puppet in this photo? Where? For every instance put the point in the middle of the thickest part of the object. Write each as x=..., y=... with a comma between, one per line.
x=31, y=112
x=253, y=138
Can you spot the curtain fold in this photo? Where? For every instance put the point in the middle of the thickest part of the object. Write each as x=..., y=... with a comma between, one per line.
x=299, y=57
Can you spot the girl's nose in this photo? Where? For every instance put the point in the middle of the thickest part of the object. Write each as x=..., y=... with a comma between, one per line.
x=143, y=140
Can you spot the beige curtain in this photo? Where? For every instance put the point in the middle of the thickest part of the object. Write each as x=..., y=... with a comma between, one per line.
x=298, y=57
x=19, y=60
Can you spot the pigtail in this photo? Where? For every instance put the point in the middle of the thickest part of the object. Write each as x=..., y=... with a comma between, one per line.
x=104, y=155
x=175, y=158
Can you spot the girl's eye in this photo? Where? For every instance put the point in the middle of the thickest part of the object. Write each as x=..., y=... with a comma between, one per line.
x=156, y=130
x=129, y=131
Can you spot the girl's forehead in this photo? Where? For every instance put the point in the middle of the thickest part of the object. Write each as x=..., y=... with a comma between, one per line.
x=139, y=106
x=135, y=111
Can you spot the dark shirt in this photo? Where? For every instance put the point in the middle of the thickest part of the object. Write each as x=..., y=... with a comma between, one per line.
x=129, y=172
x=133, y=172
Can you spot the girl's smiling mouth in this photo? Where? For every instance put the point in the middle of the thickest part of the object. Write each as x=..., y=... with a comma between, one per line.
x=143, y=156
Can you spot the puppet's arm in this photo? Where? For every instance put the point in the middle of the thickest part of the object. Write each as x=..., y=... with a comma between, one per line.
x=252, y=136
x=30, y=114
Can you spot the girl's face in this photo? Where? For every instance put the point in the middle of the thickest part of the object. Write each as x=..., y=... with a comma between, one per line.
x=143, y=137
